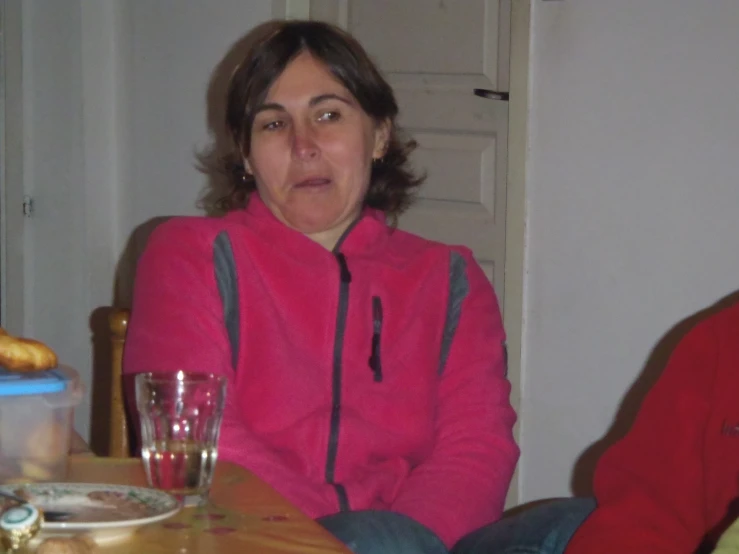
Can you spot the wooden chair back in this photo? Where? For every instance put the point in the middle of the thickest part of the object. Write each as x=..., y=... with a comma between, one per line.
x=118, y=443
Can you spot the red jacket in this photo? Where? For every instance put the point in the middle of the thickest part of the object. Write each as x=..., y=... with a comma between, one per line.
x=673, y=481
x=370, y=377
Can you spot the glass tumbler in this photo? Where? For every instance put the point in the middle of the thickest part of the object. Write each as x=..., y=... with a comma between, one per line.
x=180, y=417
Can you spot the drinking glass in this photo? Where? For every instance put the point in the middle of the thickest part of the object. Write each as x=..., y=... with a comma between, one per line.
x=180, y=417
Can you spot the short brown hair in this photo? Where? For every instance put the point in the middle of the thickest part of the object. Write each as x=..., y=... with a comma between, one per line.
x=276, y=44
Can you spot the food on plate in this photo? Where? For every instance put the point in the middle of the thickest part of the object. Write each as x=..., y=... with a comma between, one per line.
x=20, y=354
x=78, y=544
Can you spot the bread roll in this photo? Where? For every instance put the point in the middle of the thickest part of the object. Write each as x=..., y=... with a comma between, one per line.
x=19, y=354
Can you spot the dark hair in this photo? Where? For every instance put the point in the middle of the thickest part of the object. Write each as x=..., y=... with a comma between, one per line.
x=273, y=46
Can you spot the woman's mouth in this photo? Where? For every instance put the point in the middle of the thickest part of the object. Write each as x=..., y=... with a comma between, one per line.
x=313, y=183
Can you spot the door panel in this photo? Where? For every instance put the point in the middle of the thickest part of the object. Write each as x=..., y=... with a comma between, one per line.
x=465, y=24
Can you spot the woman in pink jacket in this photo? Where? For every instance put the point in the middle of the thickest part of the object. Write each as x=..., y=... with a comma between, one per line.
x=365, y=365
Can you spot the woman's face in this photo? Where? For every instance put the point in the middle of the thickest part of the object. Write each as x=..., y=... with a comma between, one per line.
x=312, y=147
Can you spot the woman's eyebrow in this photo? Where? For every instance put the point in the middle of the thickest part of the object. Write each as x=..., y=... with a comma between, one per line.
x=329, y=96
x=271, y=106
x=313, y=102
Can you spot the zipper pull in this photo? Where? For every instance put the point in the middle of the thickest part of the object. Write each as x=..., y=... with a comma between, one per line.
x=374, y=360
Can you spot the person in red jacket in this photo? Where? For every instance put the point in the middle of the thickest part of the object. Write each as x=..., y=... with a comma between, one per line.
x=671, y=485
x=365, y=365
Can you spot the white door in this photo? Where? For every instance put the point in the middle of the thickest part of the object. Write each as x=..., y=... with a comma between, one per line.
x=434, y=54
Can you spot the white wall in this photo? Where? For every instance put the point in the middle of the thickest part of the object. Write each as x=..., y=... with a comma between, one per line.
x=632, y=198
x=174, y=47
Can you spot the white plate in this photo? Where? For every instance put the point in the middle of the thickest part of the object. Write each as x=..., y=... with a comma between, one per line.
x=106, y=513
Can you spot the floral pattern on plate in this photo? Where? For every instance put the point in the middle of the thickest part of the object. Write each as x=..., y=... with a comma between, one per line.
x=104, y=510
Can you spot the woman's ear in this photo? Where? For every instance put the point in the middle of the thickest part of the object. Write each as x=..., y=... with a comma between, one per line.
x=382, y=139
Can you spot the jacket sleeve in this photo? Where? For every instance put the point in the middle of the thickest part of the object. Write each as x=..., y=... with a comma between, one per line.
x=177, y=322
x=649, y=486
x=462, y=485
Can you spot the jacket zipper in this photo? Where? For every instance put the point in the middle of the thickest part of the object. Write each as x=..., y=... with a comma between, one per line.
x=375, y=362
x=333, y=437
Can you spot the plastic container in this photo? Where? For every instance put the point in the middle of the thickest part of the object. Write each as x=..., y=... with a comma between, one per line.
x=36, y=412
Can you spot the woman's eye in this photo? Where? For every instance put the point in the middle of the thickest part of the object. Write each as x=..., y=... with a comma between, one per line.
x=329, y=116
x=272, y=125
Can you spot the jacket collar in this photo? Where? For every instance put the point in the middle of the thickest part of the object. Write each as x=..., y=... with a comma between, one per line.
x=366, y=236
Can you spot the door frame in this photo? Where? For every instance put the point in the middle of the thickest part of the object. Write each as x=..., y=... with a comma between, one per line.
x=514, y=282
x=516, y=214
x=12, y=175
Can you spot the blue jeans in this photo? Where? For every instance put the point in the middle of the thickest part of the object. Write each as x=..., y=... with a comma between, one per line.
x=544, y=529
x=381, y=532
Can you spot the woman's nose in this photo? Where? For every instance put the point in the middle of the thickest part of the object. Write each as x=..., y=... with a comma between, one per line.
x=304, y=144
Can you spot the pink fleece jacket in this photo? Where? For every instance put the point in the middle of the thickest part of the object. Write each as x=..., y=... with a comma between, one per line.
x=371, y=377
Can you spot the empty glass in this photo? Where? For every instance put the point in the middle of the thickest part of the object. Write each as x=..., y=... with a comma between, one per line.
x=180, y=421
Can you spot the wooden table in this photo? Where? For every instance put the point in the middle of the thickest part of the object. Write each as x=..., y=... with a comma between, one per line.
x=245, y=515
